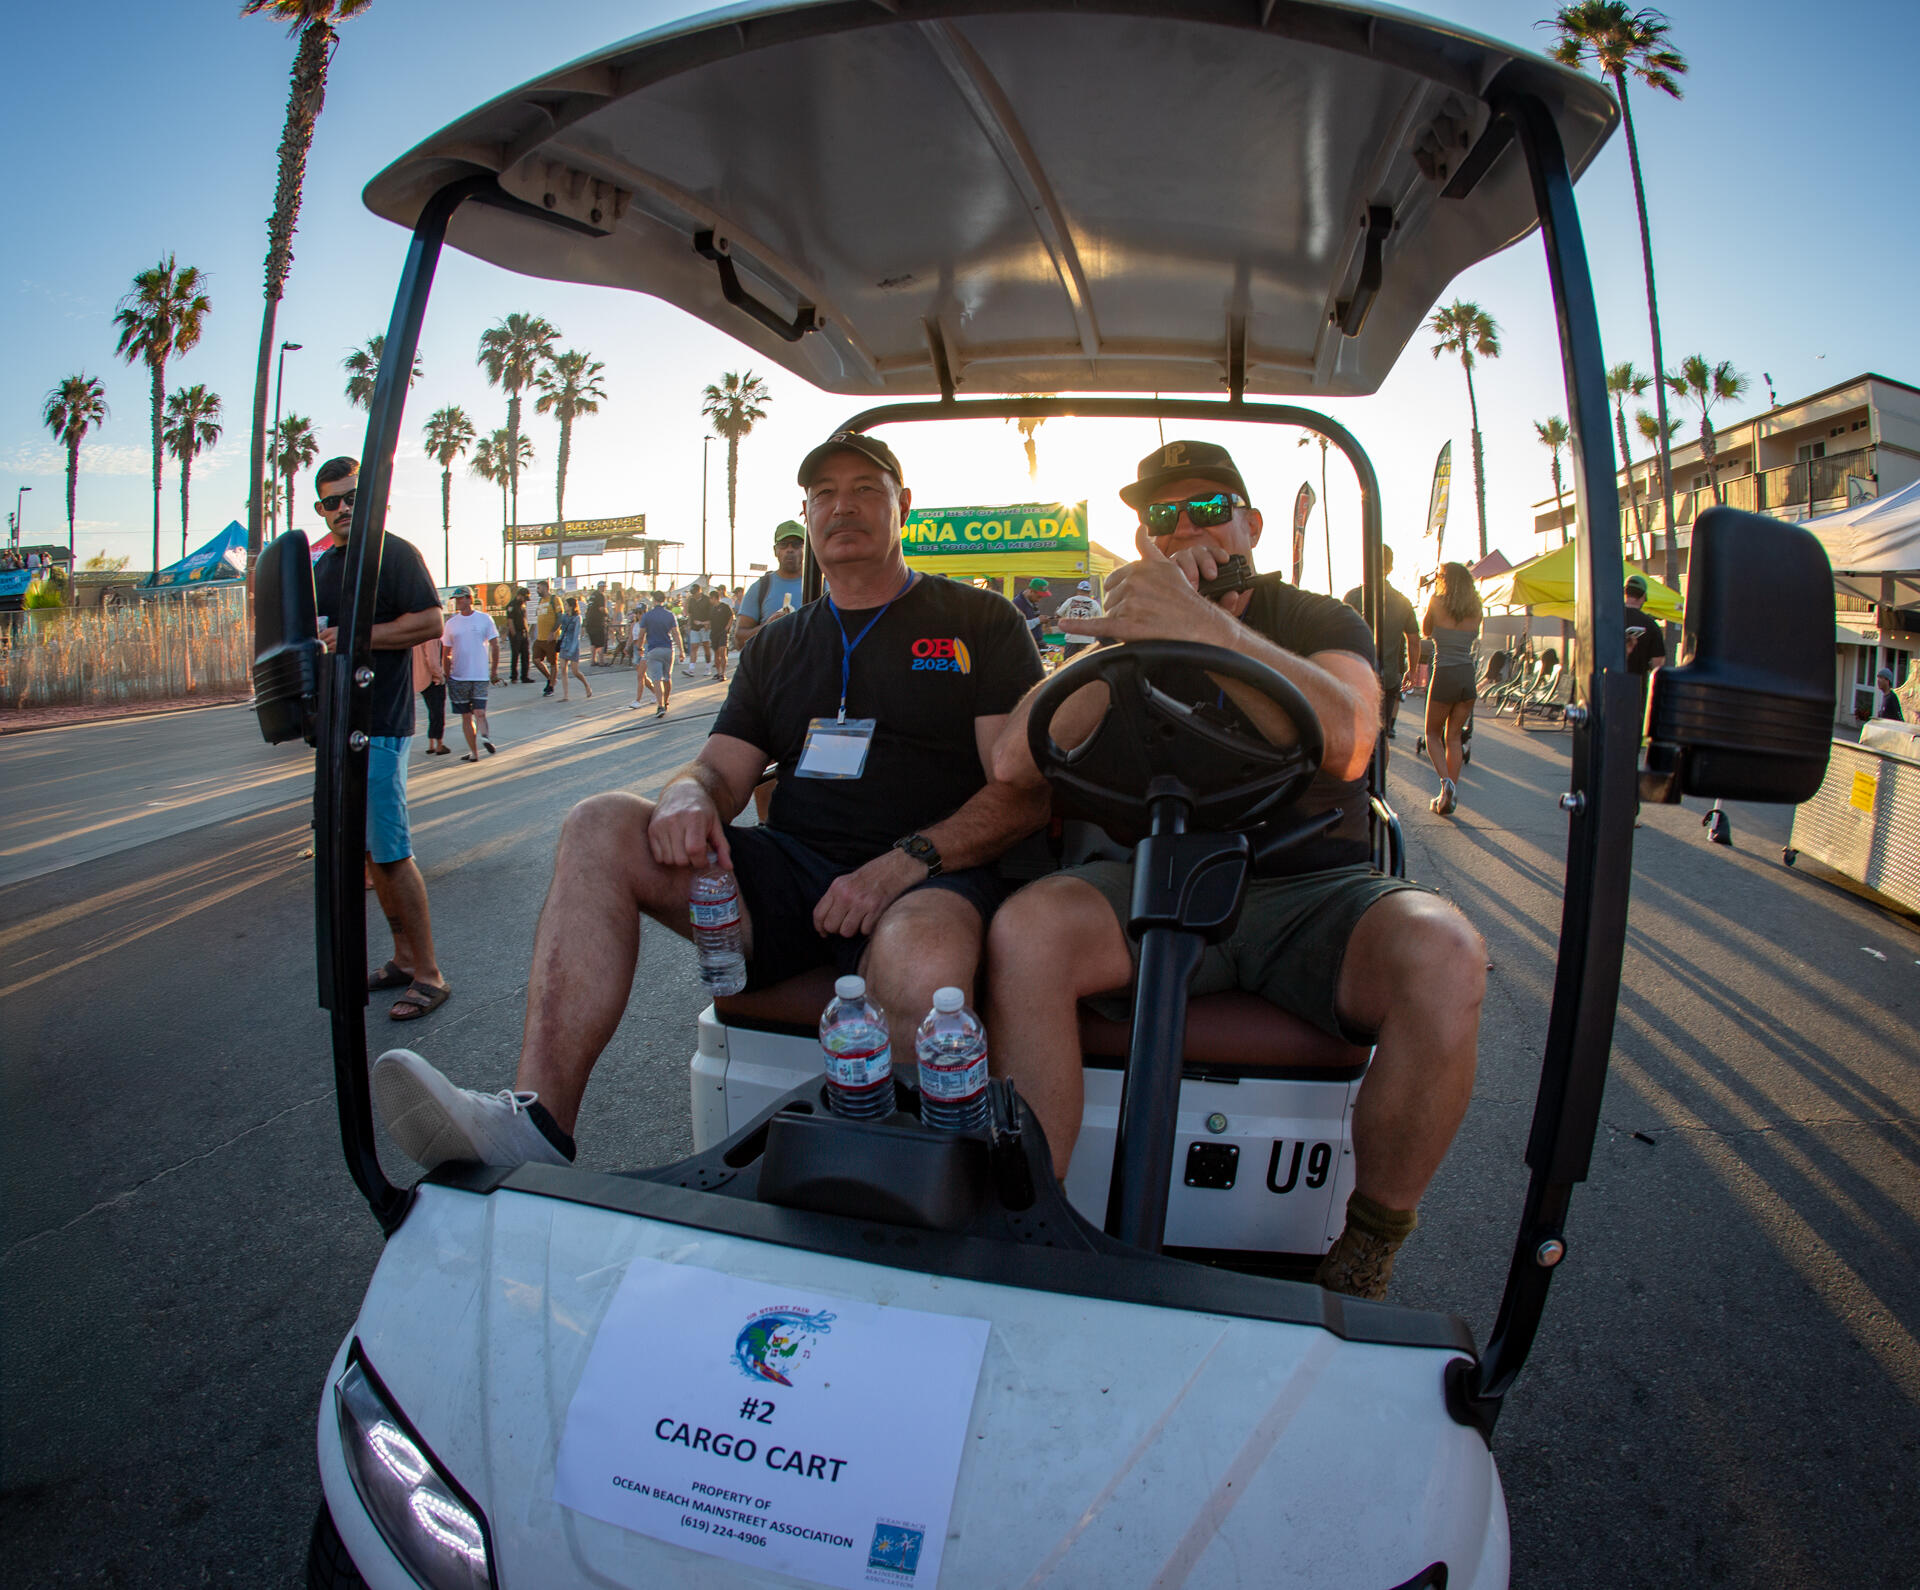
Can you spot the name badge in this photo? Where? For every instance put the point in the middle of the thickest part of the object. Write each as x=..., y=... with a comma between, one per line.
x=835, y=748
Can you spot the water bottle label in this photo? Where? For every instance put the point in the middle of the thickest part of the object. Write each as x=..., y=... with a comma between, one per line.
x=860, y=1070
x=949, y=1083
x=714, y=913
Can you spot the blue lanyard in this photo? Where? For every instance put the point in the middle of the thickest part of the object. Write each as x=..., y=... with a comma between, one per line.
x=847, y=646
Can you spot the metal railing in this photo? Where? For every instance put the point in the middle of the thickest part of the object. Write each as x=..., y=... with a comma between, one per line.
x=1813, y=483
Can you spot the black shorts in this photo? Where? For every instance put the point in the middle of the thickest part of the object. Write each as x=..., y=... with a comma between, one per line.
x=782, y=880
x=1451, y=686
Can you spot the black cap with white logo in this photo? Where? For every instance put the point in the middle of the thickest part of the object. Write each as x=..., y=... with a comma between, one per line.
x=1182, y=461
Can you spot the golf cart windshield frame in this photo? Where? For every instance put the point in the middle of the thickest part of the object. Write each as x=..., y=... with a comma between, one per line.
x=1599, y=803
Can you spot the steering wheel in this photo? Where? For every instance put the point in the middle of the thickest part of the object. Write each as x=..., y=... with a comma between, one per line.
x=1234, y=777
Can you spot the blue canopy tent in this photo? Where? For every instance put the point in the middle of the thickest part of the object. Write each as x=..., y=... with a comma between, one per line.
x=221, y=559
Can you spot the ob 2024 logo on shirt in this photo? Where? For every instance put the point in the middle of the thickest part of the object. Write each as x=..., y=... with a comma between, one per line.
x=933, y=654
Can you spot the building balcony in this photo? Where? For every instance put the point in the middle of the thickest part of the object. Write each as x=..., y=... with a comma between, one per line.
x=1793, y=491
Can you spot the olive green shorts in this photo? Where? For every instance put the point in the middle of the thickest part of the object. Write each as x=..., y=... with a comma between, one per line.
x=1288, y=947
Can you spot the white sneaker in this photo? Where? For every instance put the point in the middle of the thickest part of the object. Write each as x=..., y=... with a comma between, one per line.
x=433, y=1121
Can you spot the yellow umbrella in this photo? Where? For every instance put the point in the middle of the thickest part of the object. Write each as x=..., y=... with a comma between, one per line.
x=1545, y=584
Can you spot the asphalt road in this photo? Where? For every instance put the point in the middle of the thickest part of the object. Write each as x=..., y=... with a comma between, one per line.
x=1726, y=1389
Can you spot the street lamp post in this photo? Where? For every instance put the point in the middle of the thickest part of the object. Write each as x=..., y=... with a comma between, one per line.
x=280, y=375
x=17, y=505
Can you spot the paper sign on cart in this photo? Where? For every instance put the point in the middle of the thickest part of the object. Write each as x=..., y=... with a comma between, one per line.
x=815, y=1436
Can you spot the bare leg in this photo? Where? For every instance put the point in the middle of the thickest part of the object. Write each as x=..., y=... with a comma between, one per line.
x=1457, y=716
x=466, y=728
x=923, y=941
x=587, y=946
x=1416, y=972
x=1437, y=736
x=575, y=664
x=486, y=731
x=1051, y=945
x=402, y=894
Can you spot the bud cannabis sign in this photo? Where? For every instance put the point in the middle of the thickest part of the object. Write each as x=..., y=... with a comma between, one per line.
x=1024, y=527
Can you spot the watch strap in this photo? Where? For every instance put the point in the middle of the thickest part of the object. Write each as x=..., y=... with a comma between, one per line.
x=923, y=850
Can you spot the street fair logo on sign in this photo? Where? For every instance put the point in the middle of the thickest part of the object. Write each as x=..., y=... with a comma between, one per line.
x=768, y=1342
x=806, y=1435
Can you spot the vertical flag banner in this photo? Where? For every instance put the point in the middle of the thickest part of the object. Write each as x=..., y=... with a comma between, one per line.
x=1302, y=512
x=1437, y=502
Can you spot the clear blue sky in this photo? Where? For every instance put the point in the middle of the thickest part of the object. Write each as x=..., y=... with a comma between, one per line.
x=1784, y=191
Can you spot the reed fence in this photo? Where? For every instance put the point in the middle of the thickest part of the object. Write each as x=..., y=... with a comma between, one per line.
x=193, y=644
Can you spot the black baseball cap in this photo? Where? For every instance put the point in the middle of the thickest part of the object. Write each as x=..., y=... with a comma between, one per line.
x=851, y=442
x=791, y=530
x=1182, y=461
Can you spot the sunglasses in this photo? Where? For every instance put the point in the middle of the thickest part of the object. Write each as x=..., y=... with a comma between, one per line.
x=1163, y=518
x=340, y=499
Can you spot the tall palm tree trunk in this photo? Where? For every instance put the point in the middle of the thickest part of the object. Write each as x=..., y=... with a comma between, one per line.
x=733, y=497
x=306, y=95
x=1633, y=493
x=159, y=397
x=1709, y=450
x=512, y=486
x=73, y=490
x=1479, y=477
x=186, y=474
x=560, y=491
x=1672, y=568
x=446, y=524
x=1326, y=518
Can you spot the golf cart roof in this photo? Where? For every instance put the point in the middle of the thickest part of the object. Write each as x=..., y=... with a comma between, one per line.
x=904, y=197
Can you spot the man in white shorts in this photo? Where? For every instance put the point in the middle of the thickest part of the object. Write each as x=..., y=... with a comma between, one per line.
x=473, y=662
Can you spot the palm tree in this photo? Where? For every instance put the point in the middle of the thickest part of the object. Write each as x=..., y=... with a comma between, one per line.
x=1623, y=44
x=1553, y=433
x=511, y=353
x=732, y=408
x=294, y=447
x=273, y=498
x=162, y=315
x=1623, y=382
x=1704, y=385
x=72, y=409
x=312, y=21
x=490, y=455
x=1326, y=516
x=363, y=369
x=193, y=425
x=569, y=387
x=1028, y=425
x=1468, y=330
x=449, y=433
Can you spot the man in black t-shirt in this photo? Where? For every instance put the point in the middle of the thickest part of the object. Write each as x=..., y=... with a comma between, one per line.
x=1366, y=958
x=518, y=671
x=1400, y=632
x=1646, y=646
x=880, y=705
x=406, y=611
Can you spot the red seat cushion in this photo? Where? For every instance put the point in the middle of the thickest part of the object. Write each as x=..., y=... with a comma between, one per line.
x=1229, y=1030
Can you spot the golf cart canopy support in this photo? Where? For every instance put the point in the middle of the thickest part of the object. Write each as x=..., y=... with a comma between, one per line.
x=1008, y=204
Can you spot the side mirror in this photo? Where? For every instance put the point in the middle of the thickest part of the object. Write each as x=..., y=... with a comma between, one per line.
x=1749, y=715
x=286, y=643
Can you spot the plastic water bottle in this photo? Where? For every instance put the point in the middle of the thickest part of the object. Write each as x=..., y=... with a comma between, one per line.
x=951, y=1047
x=853, y=1033
x=714, y=907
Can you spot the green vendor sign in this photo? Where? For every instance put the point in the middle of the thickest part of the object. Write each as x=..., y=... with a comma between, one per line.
x=1023, y=527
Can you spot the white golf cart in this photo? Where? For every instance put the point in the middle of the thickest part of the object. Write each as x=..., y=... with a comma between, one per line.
x=823, y=1351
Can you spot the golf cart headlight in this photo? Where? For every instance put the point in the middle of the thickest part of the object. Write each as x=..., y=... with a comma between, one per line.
x=432, y=1527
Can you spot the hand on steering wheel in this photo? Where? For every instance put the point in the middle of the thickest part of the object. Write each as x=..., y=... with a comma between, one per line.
x=1149, y=743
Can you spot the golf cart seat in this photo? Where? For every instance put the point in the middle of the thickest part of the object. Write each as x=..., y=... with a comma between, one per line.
x=1226, y=1031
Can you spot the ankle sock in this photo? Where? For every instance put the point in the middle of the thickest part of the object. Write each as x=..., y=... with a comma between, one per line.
x=550, y=1130
x=1371, y=1219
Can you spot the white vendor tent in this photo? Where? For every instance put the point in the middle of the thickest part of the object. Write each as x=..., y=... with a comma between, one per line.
x=1873, y=542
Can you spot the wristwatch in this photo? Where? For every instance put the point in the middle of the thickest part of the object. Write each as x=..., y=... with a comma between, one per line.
x=922, y=850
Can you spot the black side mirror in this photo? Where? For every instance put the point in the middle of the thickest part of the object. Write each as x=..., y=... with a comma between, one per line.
x=1749, y=715
x=286, y=644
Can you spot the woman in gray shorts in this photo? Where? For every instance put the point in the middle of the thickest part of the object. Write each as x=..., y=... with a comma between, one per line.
x=1453, y=622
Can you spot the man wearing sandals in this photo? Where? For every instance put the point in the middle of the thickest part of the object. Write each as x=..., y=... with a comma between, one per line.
x=1366, y=958
x=473, y=663
x=406, y=611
